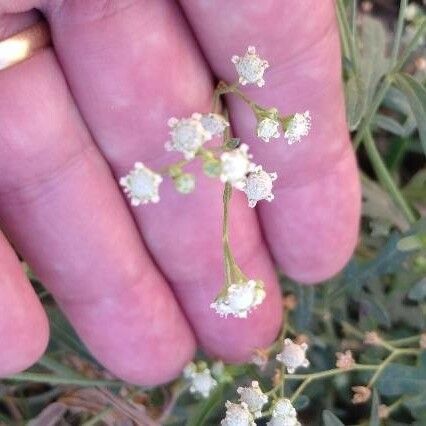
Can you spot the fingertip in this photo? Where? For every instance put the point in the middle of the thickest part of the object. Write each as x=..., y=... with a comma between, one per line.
x=312, y=228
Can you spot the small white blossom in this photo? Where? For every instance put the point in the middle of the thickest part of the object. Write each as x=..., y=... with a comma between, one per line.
x=283, y=414
x=293, y=355
x=253, y=397
x=188, y=135
x=258, y=186
x=237, y=415
x=239, y=299
x=299, y=126
x=267, y=128
x=141, y=185
x=250, y=67
x=235, y=166
x=215, y=124
x=201, y=382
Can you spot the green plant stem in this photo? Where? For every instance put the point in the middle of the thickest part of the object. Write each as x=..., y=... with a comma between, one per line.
x=308, y=378
x=394, y=354
x=405, y=341
x=55, y=380
x=398, y=33
x=385, y=178
x=371, y=112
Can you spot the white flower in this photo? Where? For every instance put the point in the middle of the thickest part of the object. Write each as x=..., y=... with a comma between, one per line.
x=141, y=185
x=250, y=67
x=201, y=382
x=239, y=299
x=188, y=135
x=267, y=128
x=215, y=124
x=235, y=166
x=237, y=415
x=293, y=355
x=258, y=186
x=253, y=397
x=299, y=126
x=283, y=414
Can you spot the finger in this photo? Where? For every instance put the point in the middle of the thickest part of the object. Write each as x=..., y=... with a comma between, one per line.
x=24, y=330
x=312, y=225
x=131, y=67
x=63, y=210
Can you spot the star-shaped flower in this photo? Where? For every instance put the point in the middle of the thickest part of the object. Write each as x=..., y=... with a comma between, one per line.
x=293, y=355
x=141, y=185
x=250, y=67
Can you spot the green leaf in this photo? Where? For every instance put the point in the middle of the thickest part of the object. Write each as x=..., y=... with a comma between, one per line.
x=416, y=96
x=418, y=292
x=355, y=101
x=389, y=260
x=389, y=124
x=417, y=405
x=398, y=379
x=374, y=416
x=329, y=419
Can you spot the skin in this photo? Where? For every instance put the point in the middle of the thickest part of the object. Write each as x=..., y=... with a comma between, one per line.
x=137, y=283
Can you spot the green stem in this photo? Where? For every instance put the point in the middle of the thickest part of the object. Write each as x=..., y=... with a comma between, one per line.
x=371, y=112
x=395, y=354
x=385, y=178
x=398, y=33
x=55, y=380
x=405, y=341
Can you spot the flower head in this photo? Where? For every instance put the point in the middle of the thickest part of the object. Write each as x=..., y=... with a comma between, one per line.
x=345, y=360
x=250, y=67
x=372, y=338
x=293, y=355
x=185, y=183
x=235, y=166
x=283, y=414
x=213, y=123
x=268, y=128
x=201, y=382
x=141, y=185
x=361, y=394
x=299, y=126
x=237, y=415
x=239, y=299
x=258, y=186
x=253, y=397
x=187, y=135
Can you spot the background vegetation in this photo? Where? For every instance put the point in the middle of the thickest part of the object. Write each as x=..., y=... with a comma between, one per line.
x=382, y=289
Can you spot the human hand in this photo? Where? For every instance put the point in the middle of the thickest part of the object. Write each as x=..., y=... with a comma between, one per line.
x=137, y=283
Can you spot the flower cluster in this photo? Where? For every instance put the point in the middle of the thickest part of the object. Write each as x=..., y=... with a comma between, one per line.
x=195, y=137
x=250, y=406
